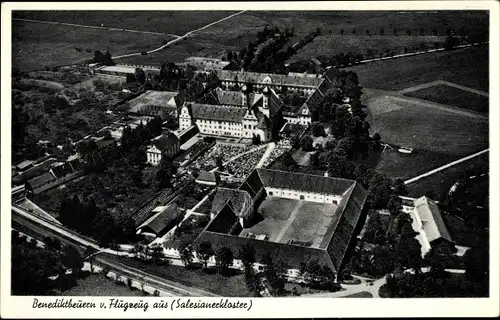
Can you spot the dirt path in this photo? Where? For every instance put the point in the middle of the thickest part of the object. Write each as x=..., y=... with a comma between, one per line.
x=96, y=27
x=289, y=221
x=446, y=166
x=179, y=38
x=441, y=82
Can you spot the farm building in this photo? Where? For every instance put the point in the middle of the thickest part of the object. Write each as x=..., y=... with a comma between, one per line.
x=294, y=217
x=35, y=184
x=163, y=220
x=157, y=103
x=206, y=64
x=167, y=144
x=123, y=70
x=428, y=222
x=26, y=164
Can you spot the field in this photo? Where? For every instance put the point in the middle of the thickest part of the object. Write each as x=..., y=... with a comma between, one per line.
x=99, y=286
x=441, y=182
x=332, y=44
x=174, y=22
x=452, y=96
x=467, y=67
x=36, y=45
x=437, y=136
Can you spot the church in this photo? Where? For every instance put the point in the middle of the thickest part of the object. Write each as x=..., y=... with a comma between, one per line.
x=236, y=114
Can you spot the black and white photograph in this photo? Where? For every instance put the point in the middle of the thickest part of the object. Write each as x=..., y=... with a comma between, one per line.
x=249, y=153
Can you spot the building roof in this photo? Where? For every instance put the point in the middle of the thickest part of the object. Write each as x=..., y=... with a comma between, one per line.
x=432, y=221
x=304, y=182
x=154, y=98
x=217, y=113
x=206, y=176
x=119, y=69
x=276, y=79
x=41, y=180
x=25, y=164
x=167, y=218
x=165, y=141
x=238, y=200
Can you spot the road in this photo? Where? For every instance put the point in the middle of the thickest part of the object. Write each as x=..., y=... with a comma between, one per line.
x=446, y=83
x=96, y=27
x=179, y=38
x=40, y=228
x=445, y=166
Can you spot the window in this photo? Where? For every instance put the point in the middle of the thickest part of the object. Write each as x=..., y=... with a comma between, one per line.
x=334, y=201
x=301, y=197
x=270, y=193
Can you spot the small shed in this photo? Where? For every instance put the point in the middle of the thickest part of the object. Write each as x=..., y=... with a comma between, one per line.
x=164, y=221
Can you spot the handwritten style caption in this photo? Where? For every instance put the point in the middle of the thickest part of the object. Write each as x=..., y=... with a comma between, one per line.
x=123, y=304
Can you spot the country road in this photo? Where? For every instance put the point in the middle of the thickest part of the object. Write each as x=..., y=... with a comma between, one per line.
x=179, y=38
x=447, y=83
x=96, y=27
x=445, y=166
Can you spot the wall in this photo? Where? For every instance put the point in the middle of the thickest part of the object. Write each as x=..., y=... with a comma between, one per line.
x=309, y=196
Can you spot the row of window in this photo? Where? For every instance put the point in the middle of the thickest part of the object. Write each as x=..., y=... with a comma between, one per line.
x=301, y=197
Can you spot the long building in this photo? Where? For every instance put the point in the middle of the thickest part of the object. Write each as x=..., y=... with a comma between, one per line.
x=236, y=114
x=293, y=217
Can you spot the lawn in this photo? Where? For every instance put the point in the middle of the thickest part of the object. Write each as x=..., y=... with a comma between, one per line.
x=98, y=285
x=441, y=182
x=36, y=46
x=452, y=96
x=468, y=67
x=230, y=286
x=277, y=208
x=437, y=136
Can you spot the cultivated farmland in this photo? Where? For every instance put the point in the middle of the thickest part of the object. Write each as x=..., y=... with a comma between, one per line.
x=36, y=46
x=467, y=67
x=452, y=96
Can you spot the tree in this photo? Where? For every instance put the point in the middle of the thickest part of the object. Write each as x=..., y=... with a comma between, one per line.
x=130, y=78
x=247, y=255
x=224, y=259
x=71, y=259
x=256, y=139
x=409, y=252
x=157, y=254
x=186, y=255
x=165, y=172
x=306, y=143
x=476, y=261
x=394, y=205
x=374, y=232
x=140, y=75
x=382, y=31
x=205, y=251
x=318, y=130
x=400, y=187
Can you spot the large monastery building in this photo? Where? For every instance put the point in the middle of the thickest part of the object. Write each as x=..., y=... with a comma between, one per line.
x=294, y=217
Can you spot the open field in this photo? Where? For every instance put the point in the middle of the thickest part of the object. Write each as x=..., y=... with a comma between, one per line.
x=452, y=96
x=174, y=22
x=332, y=44
x=35, y=45
x=467, y=67
x=437, y=136
x=232, y=34
x=98, y=285
x=441, y=182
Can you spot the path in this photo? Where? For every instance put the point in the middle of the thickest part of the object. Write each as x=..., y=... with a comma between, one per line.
x=269, y=151
x=177, y=39
x=441, y=82
x=445, y=166
x=96, y=27
x=350, y=289
x=289, y=221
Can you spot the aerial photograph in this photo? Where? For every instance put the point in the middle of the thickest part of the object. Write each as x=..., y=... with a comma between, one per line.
x=335, y=154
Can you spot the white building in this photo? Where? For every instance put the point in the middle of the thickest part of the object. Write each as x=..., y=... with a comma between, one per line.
x=428, y=222
x=163, y=145
x=235, y=114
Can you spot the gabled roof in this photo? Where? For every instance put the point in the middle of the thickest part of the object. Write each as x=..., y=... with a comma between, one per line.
x=275, y=104
x=165, y=141
x=167, y=218
x=304, y=182
x=218, y=113
x=238, y=200
x=276, y=79
x=41, y=180
x=432, y=221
